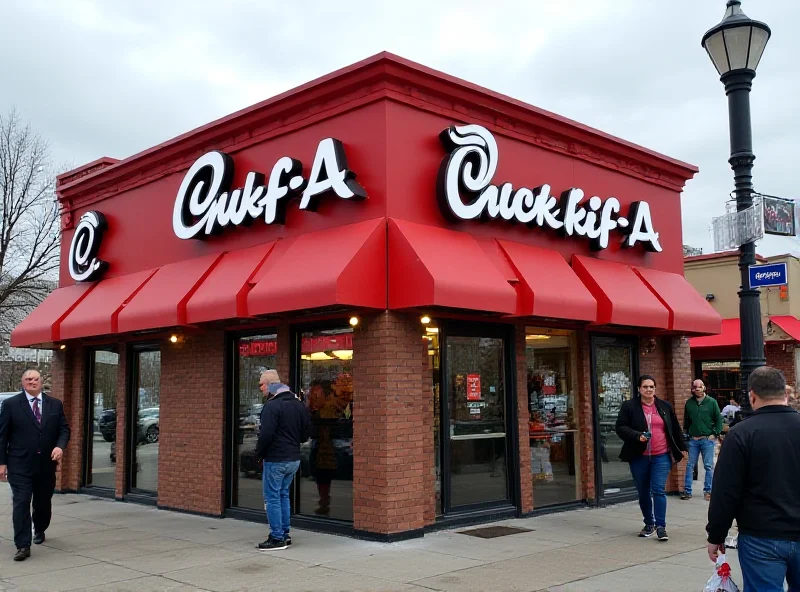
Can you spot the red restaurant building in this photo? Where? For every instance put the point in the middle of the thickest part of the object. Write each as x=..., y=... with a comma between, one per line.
x=462, y=288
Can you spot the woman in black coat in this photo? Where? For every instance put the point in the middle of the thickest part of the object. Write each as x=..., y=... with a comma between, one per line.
x=652, y=440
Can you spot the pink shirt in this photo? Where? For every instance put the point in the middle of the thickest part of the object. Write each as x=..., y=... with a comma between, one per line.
x=658, y=439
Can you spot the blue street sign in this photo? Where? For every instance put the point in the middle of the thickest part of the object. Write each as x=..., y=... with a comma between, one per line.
x=772, y=274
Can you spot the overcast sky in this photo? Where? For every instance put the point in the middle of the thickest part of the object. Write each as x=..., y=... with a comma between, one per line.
x=113, y=78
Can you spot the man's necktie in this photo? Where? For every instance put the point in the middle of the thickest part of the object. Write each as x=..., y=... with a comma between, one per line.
x=36, y=410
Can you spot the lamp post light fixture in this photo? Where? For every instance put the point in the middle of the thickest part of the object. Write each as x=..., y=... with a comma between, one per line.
x=735, y=46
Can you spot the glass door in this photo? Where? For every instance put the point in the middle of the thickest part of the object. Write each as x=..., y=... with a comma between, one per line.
x=144, y=432
x=614, y=376
x=475, y=418
x=254, y=354
x=101, y=433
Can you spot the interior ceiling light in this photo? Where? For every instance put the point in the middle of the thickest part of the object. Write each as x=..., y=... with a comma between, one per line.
x=432, y=329
x=343, y=354
x=536, y=337
x=319, y=356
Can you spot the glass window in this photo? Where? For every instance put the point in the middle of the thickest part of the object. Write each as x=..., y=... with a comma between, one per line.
x=722, y=380
x=146, y=404
x=255, y=354
x=102, y=423
x=552, y=378
x=614, y=383
x=325, y=483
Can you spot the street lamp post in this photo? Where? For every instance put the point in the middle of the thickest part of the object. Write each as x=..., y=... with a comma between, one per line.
x=735, y=46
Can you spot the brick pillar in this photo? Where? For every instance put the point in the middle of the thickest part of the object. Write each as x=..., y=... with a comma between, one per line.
x=192, y=424
x=678, y=371
x=389, y=481
x=585, y=414
x=428, y=444
x=523, y=418
x=121, y=438
x=68, y=368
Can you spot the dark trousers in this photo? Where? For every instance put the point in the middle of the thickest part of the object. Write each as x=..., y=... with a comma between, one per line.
x=37, y=489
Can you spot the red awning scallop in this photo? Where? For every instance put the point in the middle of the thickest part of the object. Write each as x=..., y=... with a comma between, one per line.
x=43, y=325
x=97, y=313
x=730, y=334
x=789, y=324
x=161, y=302
x=223, y=294
x=622, y=297
x=549, y=286
x=343, y=266
x=689, y=312
x=430, y=266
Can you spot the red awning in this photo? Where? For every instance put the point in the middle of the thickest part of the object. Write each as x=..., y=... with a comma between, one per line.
x=338, y=266
x=548, y=286
x=43, y=325
x=430, y=266
x=161, y=302
x=622, y=297
x=789, y=324
x=689, y=312
x=730, y=335
x=223, y=294
x=97, y=313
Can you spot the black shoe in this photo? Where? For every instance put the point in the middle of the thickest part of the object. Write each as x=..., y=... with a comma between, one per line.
x=686, y=496
x=648, y=531
x=272, y=545
x=662, y=533
x=288, y=540
x=38, y=538
x=22, y=554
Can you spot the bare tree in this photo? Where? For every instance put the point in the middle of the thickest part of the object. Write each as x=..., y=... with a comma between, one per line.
x=29, y=221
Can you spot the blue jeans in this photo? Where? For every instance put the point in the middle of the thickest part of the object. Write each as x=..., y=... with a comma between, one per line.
x=276, y=480
x=766, y=562
x=696, y=447
x=650, y=474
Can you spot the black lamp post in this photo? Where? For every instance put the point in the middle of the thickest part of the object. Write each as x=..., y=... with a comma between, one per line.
x=735, y=46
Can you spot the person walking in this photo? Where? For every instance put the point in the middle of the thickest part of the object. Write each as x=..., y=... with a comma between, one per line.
x=285, y=425
x=33, y=435
x=702, y=420
x=652, y=440
x=756, y=484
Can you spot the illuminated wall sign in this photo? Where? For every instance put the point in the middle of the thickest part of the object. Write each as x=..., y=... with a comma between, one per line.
x=83, y=262
x=206, y=205
x=465, y=193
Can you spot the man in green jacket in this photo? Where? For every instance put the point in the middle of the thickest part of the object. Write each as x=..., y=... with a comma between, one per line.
x=702, y=420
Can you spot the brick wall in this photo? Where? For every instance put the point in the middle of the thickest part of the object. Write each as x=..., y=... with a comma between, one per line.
x=389, y=480
x=428, y=443
x=585, y=412
x=68, y=369
x=678, y=374
x=191, y=422
x=781, y=356
x=524, y=417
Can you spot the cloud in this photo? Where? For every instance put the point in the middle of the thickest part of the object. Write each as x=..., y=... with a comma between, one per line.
x=114, y=78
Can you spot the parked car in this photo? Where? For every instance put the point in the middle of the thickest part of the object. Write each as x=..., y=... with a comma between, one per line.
x=4, y=396
x=147, y=426
x=107, y=424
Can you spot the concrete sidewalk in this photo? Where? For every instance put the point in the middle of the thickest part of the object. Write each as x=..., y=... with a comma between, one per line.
x=96, y=544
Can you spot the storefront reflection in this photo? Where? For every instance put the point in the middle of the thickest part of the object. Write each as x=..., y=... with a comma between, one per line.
x=325, y=486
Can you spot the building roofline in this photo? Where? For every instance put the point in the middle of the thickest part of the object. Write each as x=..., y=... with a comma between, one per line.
x=412, y=83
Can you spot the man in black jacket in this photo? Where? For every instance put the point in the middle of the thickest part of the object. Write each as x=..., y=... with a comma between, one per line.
x=285, y=424
x=756, y=483
x=33, y=435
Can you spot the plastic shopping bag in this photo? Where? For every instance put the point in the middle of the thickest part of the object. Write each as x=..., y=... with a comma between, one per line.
x=721, y=580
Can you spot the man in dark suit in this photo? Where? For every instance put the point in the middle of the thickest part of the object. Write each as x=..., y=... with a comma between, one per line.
x=33, y=435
